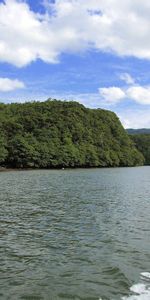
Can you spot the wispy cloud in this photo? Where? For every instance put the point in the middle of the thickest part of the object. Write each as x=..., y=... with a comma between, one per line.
x=127, y=78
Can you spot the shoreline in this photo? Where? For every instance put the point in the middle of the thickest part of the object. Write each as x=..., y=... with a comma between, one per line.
x=4, y=170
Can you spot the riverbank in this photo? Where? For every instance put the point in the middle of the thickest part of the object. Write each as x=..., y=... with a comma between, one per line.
x=3, y=170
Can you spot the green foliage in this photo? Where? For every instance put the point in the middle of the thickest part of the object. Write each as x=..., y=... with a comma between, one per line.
x=3, y=149
x=142, y=142
x=57, y=134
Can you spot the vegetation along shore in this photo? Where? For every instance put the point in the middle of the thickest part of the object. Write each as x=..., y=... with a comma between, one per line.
x=57, y=134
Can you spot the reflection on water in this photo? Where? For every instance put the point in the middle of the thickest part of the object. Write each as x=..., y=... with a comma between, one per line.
x=75, y=234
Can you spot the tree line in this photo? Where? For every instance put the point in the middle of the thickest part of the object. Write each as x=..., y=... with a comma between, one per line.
x=142, y=143
x=57, y=134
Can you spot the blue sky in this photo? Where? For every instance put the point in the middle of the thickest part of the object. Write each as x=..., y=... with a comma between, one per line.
x=96, y=52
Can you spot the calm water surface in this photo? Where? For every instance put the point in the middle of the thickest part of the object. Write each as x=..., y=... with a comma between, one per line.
x=75, y=234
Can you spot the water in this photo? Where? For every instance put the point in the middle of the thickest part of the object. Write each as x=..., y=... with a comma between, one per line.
x=75, y=234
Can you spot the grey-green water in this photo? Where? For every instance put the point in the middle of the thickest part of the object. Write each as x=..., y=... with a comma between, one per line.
x=74, y=234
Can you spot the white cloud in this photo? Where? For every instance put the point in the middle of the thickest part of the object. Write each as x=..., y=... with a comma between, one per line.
x=73, y=26
x=7, y=85
x=139, y=118
x=127, y=78
x=139, y=94
x=112, y=95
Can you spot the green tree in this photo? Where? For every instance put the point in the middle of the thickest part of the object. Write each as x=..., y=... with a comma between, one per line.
x=55, y=134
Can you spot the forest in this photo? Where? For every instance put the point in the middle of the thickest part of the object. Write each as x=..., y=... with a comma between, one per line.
x=62, y=134
x=142, y=143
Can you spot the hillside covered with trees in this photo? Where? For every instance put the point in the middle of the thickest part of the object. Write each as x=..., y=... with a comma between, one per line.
x=142, y=143
x=57, y=134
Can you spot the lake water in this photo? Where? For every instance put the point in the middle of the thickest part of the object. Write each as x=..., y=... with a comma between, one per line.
x=75, y=234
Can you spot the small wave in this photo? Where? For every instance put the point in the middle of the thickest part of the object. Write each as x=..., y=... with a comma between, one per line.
x=141, y=290
x=146, y=275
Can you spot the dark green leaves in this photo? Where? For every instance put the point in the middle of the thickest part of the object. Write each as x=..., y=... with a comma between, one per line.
x=56, y=134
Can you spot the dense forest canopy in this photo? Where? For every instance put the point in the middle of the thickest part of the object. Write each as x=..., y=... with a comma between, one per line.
x=142, y=143
x=56, y=134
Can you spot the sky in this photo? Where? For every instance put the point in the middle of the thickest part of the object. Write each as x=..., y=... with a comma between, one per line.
x=96, y=52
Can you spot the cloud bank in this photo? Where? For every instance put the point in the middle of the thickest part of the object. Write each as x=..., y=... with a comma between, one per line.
x=121, y=27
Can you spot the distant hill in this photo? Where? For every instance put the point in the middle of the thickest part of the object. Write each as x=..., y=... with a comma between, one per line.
x=58, y=134
x=139, y=131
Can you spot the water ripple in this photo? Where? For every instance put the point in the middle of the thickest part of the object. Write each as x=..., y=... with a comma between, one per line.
x=76, y=234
